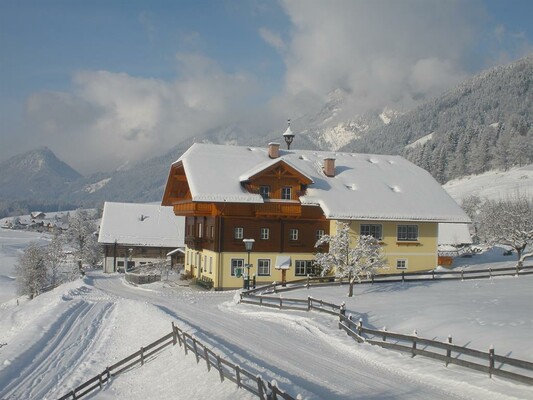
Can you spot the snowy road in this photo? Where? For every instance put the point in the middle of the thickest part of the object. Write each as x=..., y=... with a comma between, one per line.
x=308, y=355
x=66, y=336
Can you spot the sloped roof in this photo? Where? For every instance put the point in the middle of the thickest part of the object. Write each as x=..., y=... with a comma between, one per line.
x=148, y=225
x=365, y=186
x=454, y=234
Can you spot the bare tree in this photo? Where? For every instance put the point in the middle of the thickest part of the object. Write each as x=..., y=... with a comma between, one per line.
x=356, y=259
x=54, y=256
x=508, y=222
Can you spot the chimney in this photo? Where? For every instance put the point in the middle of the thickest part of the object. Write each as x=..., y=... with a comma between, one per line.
x=273, y=150
x=329, y=166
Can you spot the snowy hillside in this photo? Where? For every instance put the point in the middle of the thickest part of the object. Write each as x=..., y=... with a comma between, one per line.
x=493, y=184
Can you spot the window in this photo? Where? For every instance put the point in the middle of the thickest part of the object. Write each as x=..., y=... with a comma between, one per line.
x=238, y=232
x=200, y=231
x=293, y=234
x=212, y=231
x=374, y=230
x=264, y=233
x=401, y=264
x=319, y=234
x=407, y=232
x=264, y=191
x=210, y=265
x=237, y=263
x=303, y=267
x=286, y=193
x=263, y=267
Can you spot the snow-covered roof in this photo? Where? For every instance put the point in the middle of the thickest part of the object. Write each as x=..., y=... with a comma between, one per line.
x=454, y=234
x=365, y=186
x=141, y=225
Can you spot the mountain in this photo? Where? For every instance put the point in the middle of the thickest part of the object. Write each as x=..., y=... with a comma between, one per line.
x=35, y=174
x=485, y=123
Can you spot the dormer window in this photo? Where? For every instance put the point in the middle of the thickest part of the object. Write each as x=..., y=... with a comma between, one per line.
x=286, y=193
x=264, y=191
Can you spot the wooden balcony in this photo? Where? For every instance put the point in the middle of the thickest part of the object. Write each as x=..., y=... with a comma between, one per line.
x=190, y=208
x=278, y=209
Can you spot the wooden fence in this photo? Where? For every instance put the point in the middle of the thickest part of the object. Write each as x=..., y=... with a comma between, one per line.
x=510, y=368
x=244, y=379
x=460, y=274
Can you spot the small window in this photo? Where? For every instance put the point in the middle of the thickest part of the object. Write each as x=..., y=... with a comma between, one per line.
x=407, y=233
x=238, y=232
x=237, y=263
x=293, y=234
x=210, y=265
x=401, y=264
x=212, y=231
x=303, y=267
x=120, y=263
x=319, y=234
x=263, y=267
x=200, y=231
x=264, y=233
x=374, y=230
x=264, y=191
x=286, y=193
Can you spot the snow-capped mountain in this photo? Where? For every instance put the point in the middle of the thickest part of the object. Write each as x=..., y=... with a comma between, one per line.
x=36, y=174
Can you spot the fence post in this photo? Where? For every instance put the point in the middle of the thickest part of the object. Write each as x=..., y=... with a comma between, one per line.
x=108, y=374
x=517, y=269
x=448, y=350
x=195, y=350
x=384, y=333
x=142, y=356
x=220, y=370
x=360, y=326
x=372, y=279
x=462, y=274
x=309, y=303
x=491, y=360
x=185, y=343
x=280, y=302
x=342, y=309
x=100, y=383
x=73, y=394
x=274, y=387
x=206, y=353
x=238, y=375
x=490, y=273
x=260, y=387
x=174, y=339
x=403, y=276
x=307, y=284
x=415, y=334
x=432, y=274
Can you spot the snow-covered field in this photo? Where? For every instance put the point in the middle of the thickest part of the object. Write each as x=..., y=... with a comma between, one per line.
x=493, y=184
x=63, y=337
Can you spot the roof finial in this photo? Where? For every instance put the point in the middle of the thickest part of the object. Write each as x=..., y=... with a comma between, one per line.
x=288, y=135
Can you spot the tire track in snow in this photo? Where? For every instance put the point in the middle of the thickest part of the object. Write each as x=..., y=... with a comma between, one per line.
x=40, y=368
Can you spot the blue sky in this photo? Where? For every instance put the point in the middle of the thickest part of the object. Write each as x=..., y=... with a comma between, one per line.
x=140, y=76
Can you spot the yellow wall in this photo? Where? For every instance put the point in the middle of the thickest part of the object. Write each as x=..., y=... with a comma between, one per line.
x=223, y=279
x=421, y=255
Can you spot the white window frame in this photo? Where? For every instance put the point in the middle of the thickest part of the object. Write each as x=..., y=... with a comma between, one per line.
x=319, y=234
x=307, y=264
x=406, y=237
x=286, y=193
x=372, y=230
x=200, y=230
x=264, y=233
x=401, y=263
x=263, y=263
x=210, y=265
x=238, y=232
x=233, y=265
x=293, y=234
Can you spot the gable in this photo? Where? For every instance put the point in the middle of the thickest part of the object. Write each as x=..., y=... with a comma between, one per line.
x=177, y=187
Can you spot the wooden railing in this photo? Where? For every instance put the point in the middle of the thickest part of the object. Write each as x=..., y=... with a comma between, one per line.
x=510, y=368
x=278, y=208
x=244, y=379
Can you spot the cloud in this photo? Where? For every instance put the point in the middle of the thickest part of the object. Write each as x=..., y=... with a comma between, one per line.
x=110, y=118
x=272, y=39
x=379, y=52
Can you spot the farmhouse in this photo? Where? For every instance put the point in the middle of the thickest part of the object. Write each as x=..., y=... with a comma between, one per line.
x=137, y=234
x=286, y=199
